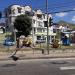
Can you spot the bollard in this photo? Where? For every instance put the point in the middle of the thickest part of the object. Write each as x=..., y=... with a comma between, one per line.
x=42, y=51
x=18, y=42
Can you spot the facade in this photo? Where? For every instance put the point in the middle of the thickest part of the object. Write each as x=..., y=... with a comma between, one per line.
x=39, y=30
x=12, y=12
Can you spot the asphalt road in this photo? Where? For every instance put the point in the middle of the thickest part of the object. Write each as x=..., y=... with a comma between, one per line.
x=38, y=67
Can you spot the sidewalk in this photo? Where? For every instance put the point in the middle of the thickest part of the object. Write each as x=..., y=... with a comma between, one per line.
x=32, y=54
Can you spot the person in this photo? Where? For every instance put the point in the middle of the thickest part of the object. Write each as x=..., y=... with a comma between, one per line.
x=17, y=42
x=15, y=58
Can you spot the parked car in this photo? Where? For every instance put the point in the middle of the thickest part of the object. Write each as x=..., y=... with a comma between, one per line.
x=40, y=41
x=8, y=42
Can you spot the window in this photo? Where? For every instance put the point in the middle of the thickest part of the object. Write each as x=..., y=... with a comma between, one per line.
x=13, y=11
x=34, y=30
x=34, y=21
x=43, y=37
x=19, y=9
x=44, y=30
x=28, y=13
x=44, y=16
x=45, y=23
x=39, y=16
x=1, y=30
x=54, y=30
x=39, y=30
x=38, y=37
x=40, y=24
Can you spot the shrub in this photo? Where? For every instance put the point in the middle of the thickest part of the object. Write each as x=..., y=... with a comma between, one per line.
x=55, y=44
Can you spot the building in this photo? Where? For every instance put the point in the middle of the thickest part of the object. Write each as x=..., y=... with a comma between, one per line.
x=39, y=30
x=12, y=12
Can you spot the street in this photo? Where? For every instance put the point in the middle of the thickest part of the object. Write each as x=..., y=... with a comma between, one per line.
x=38, y=67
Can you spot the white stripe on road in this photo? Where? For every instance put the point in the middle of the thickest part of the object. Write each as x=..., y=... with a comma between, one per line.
x=67, y=68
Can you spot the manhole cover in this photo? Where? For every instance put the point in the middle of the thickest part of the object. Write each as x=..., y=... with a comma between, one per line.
x=59, y=62
x=8, y=65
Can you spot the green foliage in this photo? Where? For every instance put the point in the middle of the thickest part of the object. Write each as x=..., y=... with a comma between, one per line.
x=23, y=24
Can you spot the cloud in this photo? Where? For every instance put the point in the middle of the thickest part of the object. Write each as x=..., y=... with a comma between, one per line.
x=73, y=18
x=61, y=14
x=73, y=8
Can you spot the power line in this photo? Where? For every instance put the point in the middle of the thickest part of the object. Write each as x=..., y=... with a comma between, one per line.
x=53, y=6
x=62, y=6
x=61, y=11
x=70, y=3
x=63, y=3
x=69, y=10
x=57, y=8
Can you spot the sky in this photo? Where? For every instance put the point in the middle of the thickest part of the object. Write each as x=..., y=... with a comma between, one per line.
x=53, y=6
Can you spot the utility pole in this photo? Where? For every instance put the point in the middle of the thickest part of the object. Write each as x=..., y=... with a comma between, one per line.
x=47, y=27
x=33, y=33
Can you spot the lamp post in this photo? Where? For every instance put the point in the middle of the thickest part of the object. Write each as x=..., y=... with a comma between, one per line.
x=47, y=27
x=33, y=33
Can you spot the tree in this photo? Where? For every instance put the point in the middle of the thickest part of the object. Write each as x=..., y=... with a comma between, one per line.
x=23, y=25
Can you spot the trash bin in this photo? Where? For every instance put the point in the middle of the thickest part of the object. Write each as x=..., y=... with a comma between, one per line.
x=66, y=41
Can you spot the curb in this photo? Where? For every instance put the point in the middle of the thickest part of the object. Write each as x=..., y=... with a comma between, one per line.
x=29, y=58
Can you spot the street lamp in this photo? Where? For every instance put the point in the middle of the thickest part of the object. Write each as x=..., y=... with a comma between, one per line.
x=47, y=27
x=33, y=33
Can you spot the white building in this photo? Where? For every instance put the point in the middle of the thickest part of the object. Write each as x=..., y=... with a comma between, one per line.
x=39, y=19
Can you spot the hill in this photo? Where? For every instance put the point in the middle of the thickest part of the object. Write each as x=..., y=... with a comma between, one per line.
x=72, y=26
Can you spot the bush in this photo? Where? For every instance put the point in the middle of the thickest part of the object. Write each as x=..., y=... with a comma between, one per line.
x=55, y=44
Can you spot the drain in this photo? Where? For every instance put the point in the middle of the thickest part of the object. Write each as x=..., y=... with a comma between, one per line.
x=59, y=62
